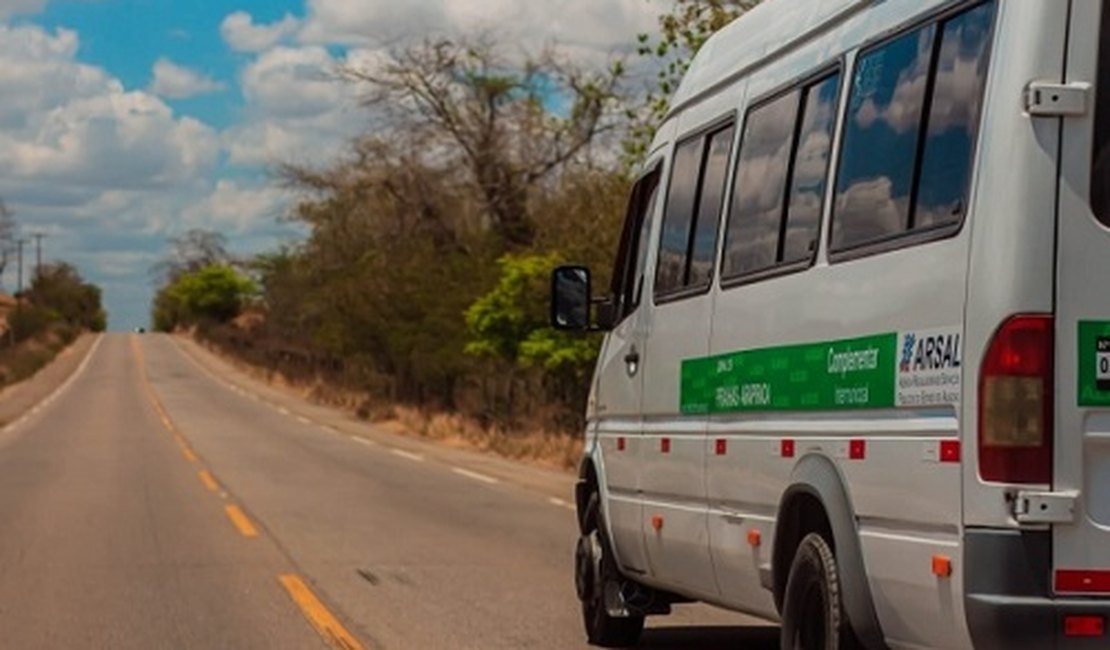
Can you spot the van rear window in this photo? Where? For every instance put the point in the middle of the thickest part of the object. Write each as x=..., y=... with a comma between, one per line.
x=1100, y=164
x=910, y=132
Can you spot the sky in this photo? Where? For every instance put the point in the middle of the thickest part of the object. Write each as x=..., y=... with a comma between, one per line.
x=126, y=122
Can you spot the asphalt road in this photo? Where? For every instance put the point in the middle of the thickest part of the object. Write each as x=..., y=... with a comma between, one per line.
x=150, y=505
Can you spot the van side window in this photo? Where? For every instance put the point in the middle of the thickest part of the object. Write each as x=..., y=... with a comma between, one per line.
x=692, y=215
x=780, y=180
x=628, y=272
x=910, y=131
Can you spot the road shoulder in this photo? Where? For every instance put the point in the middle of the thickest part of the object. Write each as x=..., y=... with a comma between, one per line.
x=16, y=400
x=554, y=484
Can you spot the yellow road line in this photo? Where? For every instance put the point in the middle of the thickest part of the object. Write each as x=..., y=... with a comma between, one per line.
x=241, y=521
x=188, y=454
x=318, y=615
x=208, y=480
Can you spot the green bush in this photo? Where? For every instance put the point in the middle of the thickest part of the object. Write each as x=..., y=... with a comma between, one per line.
x=215, y=293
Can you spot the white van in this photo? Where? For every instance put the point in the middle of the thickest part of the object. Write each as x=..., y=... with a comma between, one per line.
x=857, y=369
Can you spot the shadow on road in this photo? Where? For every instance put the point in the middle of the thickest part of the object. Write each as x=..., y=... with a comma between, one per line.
x=710, y=638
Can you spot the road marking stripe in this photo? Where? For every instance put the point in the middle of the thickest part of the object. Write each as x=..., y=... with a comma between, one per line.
x=558, y=502
x=208, y=480
x=240, y=520
x=364, y=441
x=283, y=410
x=188, y=454
x=405, y=454
x=475, y=475
x=303, y=420
x=318, y=614
x=49, y=399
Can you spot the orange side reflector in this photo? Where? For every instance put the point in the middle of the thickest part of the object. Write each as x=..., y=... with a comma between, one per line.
x=657, y=523
x=755, y=538
x=942, y=566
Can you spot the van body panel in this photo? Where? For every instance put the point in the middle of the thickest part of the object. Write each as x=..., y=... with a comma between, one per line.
x=739, y=384
x=1082, y=444
x=1013, y=237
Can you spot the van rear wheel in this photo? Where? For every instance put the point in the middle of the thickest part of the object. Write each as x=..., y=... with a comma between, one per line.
x=596, y=574
x=813, y=613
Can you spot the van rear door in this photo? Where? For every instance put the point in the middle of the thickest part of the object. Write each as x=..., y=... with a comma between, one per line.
x=1080, y=500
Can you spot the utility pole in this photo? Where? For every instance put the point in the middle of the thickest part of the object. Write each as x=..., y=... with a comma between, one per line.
x=38, y=253
x=19, y=265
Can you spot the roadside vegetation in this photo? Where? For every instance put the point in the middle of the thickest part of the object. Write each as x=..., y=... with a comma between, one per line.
x=38, y=323
x=420, y=292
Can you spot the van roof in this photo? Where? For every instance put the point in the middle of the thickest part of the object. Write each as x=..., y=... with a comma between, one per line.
x=771, y=29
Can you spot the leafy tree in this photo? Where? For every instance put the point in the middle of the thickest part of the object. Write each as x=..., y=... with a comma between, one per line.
x=509, y=126
x=510, y=322
x=190, y=252
x=58, y=299
x=214, y=293
x=682, y=32
x=61, y=289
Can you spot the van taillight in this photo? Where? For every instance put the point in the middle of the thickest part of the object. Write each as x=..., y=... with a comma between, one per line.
x=1016, y=402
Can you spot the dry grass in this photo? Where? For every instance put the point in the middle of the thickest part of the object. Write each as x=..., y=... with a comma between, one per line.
x=550, y=449
x=546, y=448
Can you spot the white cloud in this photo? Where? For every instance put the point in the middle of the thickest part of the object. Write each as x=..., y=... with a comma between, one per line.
x=582, y=27
x=235, y=208
x=242, y=34
x=13, y=7
x=102, y=168
x=178, y=82
x=299, y=111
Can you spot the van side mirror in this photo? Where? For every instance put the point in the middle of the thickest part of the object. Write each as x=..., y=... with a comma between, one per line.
x=570, y=298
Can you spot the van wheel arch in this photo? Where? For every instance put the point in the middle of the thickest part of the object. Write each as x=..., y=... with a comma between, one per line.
x=817, y=502
x=587, y=484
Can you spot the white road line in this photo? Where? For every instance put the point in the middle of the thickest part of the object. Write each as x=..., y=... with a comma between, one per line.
x=49, y=399
x=364, y=441
x=559, y=502
x=303, y=420
x=489, y=480
x=408, y=455
x=283, y=410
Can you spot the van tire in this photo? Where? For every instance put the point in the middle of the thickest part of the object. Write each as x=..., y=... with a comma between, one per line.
x=602, y=629
x=813, y=613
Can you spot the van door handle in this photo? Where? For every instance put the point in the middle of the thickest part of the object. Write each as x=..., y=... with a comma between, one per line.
x=632, y=361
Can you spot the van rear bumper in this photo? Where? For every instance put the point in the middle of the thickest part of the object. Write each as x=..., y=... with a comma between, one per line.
x=1007, y=596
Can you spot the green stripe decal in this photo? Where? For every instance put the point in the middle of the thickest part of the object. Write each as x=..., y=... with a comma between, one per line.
x=849, y=374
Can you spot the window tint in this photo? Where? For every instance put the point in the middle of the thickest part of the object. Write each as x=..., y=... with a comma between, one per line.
x=649, y=194
x=693, y=212
x=811, y=171
x=910, y=131
x=751, y=243
x=628, y=271
x=673, y=245
x=704, y=252
x=880, y=140
x=780, y=179
x=961, y=73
